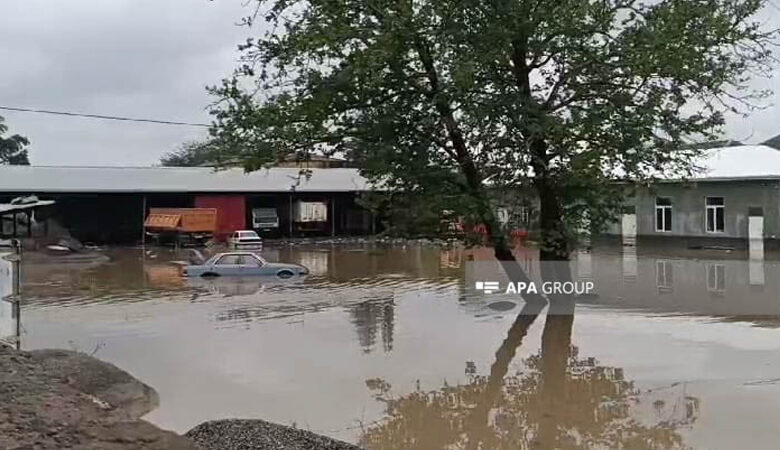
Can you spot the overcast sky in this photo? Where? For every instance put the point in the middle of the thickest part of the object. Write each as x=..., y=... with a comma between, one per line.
x=150, y=59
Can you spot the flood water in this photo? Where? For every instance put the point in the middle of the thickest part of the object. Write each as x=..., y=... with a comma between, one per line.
x=383, y=346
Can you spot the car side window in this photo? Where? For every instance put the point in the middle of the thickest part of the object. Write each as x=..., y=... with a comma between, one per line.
x=228, y=260
x=250, y=261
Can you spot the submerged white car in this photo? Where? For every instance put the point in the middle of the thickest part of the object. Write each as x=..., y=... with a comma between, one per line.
x=241, y=264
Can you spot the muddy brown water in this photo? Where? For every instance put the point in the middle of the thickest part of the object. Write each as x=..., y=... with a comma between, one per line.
x=386, y=346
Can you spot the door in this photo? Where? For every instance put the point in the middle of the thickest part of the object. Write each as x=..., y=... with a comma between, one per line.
x=756, y=227
x=228, y=265
x=250, y=265
x=756, y=235
x=628, y=226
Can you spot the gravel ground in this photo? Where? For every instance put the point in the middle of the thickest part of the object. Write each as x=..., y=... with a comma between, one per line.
x=57, y=399
x=235, y=434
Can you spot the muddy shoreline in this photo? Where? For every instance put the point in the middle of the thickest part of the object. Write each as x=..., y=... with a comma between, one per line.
x=58, y=399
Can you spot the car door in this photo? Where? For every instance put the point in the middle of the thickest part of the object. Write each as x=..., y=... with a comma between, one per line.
x=251, y=265
x=228, y=265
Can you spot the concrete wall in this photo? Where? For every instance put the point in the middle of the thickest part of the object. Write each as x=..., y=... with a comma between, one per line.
x=688, y=208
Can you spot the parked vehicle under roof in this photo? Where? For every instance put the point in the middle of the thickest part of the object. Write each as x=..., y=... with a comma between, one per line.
x=245, y=239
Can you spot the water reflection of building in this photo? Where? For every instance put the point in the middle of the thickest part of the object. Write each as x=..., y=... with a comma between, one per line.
x=707, y=286
x=371, y=318
x=315, y=261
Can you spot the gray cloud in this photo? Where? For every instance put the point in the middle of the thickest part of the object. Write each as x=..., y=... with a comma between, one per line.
x=138, y=58
x=150, y=58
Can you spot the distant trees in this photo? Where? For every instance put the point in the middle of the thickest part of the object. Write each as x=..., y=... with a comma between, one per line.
x=13, y=149
x=191, y=154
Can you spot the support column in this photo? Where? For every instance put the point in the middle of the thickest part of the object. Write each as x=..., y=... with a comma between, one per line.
x=333, y=216
x=291, y=215
x=143, y=221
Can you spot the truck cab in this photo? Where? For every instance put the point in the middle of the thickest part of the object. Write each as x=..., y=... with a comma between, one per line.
x=265, y=220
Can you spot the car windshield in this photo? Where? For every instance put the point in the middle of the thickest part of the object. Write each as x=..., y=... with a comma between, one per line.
x=248, y=235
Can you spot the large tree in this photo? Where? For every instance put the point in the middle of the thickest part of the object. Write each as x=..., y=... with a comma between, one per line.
x=564, y=97
x=13, y=149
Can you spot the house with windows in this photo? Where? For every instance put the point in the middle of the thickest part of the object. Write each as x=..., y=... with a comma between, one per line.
x=735, y=197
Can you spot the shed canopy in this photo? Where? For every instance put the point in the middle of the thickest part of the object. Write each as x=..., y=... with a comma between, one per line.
x=10, y=208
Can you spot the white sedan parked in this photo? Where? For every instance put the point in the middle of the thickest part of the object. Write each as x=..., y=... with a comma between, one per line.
x=245, y=239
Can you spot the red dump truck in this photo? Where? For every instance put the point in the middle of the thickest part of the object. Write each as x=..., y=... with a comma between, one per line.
x=184, y=226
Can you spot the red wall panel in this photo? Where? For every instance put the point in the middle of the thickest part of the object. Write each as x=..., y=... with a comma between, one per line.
x=231, y=212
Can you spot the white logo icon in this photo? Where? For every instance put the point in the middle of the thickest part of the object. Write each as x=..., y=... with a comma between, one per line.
x=488, y=287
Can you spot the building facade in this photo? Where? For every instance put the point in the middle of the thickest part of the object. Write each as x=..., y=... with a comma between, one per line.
x=708, y=210
x=735, y=198
x=110, y=204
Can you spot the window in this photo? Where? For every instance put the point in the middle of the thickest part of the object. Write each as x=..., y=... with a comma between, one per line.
x=715, y=214
x=229, y=260
x=248, y=260
x=524, y=215
x=663, y=214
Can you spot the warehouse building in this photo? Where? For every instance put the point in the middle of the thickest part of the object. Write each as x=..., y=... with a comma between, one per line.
x=110, y=204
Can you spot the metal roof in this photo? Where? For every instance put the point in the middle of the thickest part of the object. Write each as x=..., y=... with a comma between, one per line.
x=740, y=162
x=728, y=163
x=31, y=179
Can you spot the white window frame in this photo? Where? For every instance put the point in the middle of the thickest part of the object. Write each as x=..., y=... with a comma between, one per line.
x=665, y=210
x=714, y=209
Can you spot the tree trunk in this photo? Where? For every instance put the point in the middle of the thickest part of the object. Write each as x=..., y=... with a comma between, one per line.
x=554, y=244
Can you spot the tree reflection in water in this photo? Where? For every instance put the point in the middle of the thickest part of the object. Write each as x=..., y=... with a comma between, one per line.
x=557, y=399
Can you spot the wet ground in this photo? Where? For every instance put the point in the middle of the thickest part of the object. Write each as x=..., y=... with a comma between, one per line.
x=386, y=346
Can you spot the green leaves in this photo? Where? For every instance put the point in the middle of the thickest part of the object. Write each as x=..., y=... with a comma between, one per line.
x=13, y=149
x=441, y=95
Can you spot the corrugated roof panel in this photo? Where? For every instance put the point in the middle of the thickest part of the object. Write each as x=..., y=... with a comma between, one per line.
x=747, y=161
x=175, y=179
